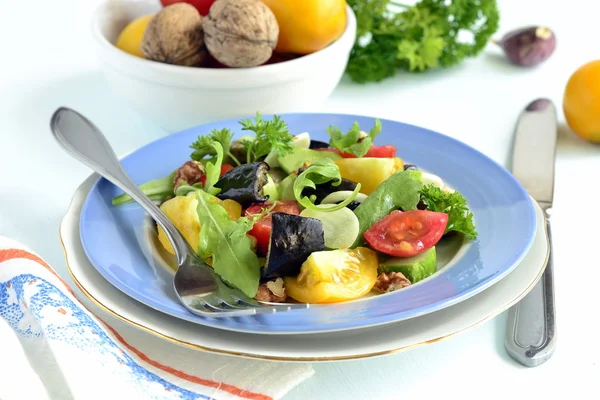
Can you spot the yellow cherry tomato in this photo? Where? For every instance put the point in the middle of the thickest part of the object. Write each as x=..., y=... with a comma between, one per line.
x=581, y=101
x=130, y=39
x=369, y=172
x=181, y=210
x=306, y=26
x=334, y=276
x=233, y=208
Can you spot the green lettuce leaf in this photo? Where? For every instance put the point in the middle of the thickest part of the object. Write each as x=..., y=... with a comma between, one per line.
x=320, y=172
x=401, y=190
x=157, y=190
x=213, y=170
x=233, y=257
x=351, y=142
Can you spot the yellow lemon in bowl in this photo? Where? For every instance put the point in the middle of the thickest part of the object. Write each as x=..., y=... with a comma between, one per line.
x=130, y=38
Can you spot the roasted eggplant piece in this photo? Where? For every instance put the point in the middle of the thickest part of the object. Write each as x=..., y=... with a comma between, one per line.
x=293, y=239
x=317, y=144
x=353, y=205
x=244, y=184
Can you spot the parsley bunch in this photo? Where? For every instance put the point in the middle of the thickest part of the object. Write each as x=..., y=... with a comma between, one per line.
x=429, y=34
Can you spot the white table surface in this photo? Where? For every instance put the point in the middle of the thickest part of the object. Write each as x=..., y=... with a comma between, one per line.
x=48, y=61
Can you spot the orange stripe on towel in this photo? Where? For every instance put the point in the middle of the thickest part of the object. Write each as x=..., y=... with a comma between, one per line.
x=11, y=254
x=191, y=378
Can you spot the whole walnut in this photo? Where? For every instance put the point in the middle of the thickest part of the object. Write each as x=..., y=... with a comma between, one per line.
x=241, y=33
x=174, y=36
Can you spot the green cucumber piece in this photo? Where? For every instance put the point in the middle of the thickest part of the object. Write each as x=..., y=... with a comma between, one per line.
x=338, y=197
x=270, y=189
x=285, y=189
x=340, y=227
x=415, y=268
x=301, y=141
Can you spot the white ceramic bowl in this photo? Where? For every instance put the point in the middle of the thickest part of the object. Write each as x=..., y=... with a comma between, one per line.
x=177, y=97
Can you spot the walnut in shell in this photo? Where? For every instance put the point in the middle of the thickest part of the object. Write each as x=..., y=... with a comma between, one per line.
x=241, y=33
x=174, y=36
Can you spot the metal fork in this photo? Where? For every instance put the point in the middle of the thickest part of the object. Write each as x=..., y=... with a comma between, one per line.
x=197, y=286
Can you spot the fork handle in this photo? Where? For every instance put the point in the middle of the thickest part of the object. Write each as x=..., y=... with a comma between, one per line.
x=84, y=141
x=531, y=328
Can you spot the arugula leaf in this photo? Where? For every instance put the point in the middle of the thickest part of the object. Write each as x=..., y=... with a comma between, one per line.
x=226, y=241
x=428, y=34
x=352, y=142
x=271, y=136
x=460, y=218
x=213, y=170
x=203, y=146
x=157, y=190
x=320, y=172
x=401, y=190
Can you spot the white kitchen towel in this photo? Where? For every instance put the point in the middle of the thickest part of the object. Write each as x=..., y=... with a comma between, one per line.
x=53, y=347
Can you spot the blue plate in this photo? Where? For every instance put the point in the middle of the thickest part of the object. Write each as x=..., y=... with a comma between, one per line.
x=115, y=241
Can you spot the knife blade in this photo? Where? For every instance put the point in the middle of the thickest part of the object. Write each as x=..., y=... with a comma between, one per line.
x=531, y=326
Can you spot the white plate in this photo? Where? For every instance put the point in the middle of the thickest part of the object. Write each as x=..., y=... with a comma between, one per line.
x=333, y=346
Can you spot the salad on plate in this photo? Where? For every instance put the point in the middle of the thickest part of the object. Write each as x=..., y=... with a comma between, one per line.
x=286, y=218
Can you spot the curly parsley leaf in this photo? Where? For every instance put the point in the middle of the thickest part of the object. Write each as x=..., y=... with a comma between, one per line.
x=203, y=146
x=460, y=218
x=271, y=136
x=353, y=142
x=429, y=34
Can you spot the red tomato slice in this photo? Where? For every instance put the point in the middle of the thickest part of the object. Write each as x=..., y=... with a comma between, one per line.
x=405, y=234
x=203, y=6
x=225, y=168
x=262, y=228
x=387, y=151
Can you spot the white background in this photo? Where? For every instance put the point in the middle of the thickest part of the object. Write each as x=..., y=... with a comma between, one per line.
x=47, y=60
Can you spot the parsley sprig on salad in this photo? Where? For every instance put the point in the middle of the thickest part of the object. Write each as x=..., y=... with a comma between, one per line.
x=460, y=218
x=315, y=221
x=270, y=136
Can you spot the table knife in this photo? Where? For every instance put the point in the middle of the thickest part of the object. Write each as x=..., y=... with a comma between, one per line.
x=531, y=327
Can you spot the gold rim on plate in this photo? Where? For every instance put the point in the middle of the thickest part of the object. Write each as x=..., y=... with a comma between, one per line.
x=115, y=314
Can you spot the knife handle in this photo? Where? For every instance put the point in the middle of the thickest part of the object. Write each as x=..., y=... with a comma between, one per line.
x=531, y=330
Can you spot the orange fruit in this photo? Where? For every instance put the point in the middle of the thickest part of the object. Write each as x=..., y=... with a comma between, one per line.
x=581, y=101
x=307, y=26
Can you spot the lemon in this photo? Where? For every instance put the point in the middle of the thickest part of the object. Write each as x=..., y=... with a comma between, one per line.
x=130, y=39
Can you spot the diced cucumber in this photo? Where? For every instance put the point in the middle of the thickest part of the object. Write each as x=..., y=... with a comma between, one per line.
x=340, y=228
x=430, y=179
x=298, y=157
x=285, y=189
x=270, y=189
x=415, y=268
